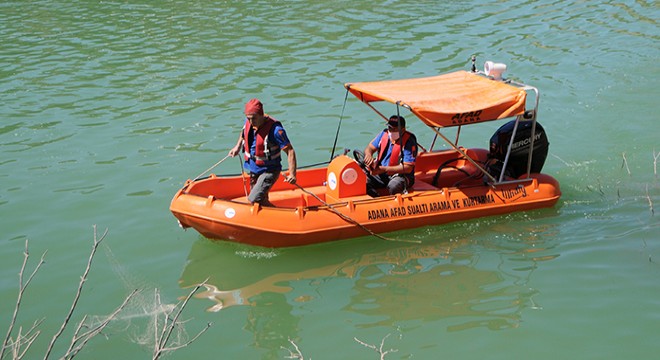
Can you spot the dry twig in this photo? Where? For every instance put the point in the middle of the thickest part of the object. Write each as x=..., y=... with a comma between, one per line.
x=625, y=163
x=79, y=340
x=169, y=324
x=655, y=163
x=23, y=341
x=27, y=339
x=294, y=355
x=84, y=332
x=83, y=279
x=379, y=350
x=648, y=197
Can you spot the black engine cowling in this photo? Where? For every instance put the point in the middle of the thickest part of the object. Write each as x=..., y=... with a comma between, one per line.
x=517, y=164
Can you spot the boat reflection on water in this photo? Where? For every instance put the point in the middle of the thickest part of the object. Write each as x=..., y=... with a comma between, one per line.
x=387, y=282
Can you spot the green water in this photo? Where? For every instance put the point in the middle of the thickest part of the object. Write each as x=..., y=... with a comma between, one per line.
x=107, y=107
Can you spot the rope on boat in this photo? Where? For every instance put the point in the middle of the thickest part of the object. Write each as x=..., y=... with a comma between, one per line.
x=351, y=220
x=243, y=176
x=211, y=168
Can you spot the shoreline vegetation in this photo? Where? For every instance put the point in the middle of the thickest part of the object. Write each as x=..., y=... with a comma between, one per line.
x=165, y=322
x=165, y=328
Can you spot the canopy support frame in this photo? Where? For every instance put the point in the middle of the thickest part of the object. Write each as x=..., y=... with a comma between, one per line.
x=467, y=157
x=515, y=129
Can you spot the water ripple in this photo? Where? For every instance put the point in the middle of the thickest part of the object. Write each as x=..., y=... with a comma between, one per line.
x=100, y=99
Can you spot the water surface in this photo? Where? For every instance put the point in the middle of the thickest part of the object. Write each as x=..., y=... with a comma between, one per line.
x=106, y=108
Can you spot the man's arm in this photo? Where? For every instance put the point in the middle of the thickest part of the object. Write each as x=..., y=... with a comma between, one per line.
x=293, y=165
x=369, y=155
x=236, y=147
x=404, y=168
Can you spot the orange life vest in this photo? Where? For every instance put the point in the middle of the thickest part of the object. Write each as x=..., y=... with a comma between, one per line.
x=265, y=148
x=395, y=156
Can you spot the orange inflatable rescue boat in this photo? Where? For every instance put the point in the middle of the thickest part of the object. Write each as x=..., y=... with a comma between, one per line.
x=452, y=184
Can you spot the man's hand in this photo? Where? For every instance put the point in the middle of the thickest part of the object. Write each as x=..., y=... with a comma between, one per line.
x=234, y=151
x=377, y=170
x=291, y=179
x=368, y=161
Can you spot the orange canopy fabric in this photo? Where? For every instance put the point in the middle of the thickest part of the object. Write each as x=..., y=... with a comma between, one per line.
x=452, y=99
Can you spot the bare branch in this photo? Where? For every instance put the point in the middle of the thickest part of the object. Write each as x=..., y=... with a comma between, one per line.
x=294, y=355
x=28, y=338
x=160, y=346
x=21, y=290
x=655, y=163
x=34, y=327
x=28, y=342
x=169, y=349
x=378, y=350
x=625, y=163
x=83, y=279
x=85, y=331
x=156, y=337
x=22, y=343
x=175, y=320
x=79, y=341
x=648, y=197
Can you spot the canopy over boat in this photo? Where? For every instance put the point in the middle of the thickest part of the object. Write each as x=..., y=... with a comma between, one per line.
x=451, y=99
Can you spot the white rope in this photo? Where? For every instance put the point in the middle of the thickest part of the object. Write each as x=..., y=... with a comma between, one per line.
x=211, y=168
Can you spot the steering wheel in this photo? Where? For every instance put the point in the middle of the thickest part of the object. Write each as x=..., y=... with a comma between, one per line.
x=359, y=158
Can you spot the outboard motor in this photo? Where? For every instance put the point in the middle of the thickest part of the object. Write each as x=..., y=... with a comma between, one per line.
x=517, y=164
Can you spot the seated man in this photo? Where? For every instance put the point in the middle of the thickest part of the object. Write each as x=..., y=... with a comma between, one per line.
x=394, y=166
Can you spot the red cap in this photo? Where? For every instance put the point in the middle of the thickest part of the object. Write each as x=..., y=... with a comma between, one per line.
x=254, y=106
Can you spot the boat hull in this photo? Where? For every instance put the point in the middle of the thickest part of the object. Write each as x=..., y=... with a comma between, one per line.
x=309, y=213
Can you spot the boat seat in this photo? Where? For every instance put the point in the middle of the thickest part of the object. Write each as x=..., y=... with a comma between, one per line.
x=293, y=197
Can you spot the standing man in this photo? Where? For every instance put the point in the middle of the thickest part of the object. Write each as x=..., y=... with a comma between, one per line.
x=263, y=140
x=394, y=167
